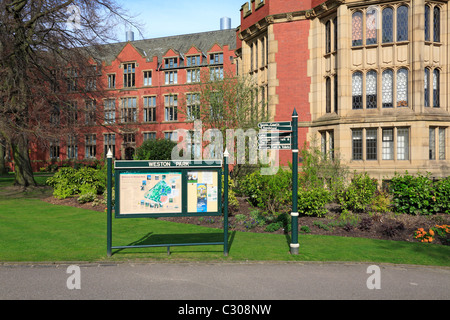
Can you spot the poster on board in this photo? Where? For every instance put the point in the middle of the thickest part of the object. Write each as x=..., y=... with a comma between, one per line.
x=202, y=195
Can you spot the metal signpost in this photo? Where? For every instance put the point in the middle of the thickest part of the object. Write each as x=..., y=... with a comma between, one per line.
x=154, y=189
x=284, y=136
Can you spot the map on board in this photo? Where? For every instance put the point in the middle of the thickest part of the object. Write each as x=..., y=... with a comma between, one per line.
x=150, y=193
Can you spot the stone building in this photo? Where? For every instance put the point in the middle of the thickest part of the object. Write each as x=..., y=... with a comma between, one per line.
x=370, y=80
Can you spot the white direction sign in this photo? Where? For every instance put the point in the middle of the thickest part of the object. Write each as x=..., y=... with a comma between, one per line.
x=281, y=126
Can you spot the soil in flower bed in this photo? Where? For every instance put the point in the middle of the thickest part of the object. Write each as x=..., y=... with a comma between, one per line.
x=387, y=226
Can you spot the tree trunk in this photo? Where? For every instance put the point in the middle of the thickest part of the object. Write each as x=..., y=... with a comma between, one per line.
x=2, y=159
x=22, y=164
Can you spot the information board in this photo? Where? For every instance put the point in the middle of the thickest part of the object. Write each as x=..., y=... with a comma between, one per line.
x=167, y=189
x=157, y=189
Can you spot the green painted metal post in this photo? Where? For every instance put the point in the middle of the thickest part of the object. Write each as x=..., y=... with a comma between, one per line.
x=225, y=203
x=109, y=203
x=294, y=215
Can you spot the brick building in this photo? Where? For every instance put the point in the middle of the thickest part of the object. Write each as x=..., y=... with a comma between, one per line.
x=143, y=83
x=370, y=79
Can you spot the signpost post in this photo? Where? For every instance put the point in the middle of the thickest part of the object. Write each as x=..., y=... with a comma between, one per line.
x=294, y=215
x=284, y=136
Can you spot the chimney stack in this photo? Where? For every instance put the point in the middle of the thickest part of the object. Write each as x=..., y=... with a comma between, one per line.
x=225, y=23
x=130, y=36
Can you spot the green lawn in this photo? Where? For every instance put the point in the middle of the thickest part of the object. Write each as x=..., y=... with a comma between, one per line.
x=34, y=231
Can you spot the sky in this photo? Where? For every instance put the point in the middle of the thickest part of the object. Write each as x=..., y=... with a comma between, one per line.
x=176, y=17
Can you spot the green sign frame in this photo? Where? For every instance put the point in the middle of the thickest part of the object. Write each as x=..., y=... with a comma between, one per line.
x=182, y=169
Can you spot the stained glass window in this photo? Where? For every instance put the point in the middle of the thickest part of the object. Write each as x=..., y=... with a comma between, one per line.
x=388, y=25
x=357, y=83
x=371, y=26
x=402, y=23
x=402, y=88
x=427, y=87
x=387, y=83
x=436, y=93
x=371, y=89
x=427, y=23
x=437, y=24
x=357, y=31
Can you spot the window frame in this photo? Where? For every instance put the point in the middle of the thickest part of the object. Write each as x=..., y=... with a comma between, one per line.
x=371, y=99
x=147, y=80
x=149, y=108
x=128, y=114
x=387, y=36
x=129, y=75
x=357, y=100
x=399, y=92
x=109, y=143
x=109, y=107
x=357, y=145
x=384, y=87
x=170, y=108
x=171, y=77
x=192, y=106
x=357, y=31
x=111, y=77
x=402, y=36
x=72, y=147
x=90, y=146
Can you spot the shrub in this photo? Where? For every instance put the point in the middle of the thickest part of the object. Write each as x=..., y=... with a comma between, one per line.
x=381, y=203
x=305, y=229
x=159, y=149
x=442, y=194
x=321, y=225
x=233, y=203
x=359, y=194
x=270, y=193
x=414, y=194
x=281, y=221
x=322, y=170
x=348, y=217
x=87, y=197
x=68, y=182
x=273, y=227
x=312, y=202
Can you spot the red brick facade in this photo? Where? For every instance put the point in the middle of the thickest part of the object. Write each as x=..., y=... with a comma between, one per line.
x=136, y=75
x=288, y=54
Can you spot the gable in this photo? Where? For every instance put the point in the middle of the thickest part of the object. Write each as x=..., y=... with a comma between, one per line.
x=215, y=48
x=129, y=52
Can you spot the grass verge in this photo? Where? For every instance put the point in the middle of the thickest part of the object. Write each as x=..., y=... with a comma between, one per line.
x=34, y=231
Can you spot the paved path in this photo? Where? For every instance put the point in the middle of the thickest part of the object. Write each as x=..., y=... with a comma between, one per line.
x=222, y=281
